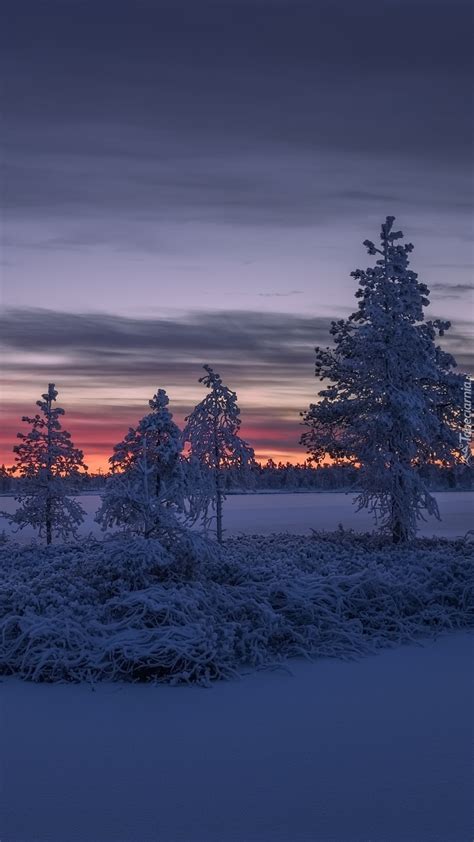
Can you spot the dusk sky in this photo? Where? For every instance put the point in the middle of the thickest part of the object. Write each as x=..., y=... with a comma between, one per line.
x=190, y=182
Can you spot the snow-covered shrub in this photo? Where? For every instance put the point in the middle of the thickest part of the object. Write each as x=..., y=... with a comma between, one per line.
x=134, y=610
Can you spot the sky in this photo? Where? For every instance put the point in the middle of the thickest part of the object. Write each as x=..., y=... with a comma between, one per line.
x=190, y=182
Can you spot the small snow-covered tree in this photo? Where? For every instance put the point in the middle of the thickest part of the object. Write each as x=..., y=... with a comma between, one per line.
x=45, y=458
x=147, y=489
x=393, y=401
x=5, y=478
x=212, y=432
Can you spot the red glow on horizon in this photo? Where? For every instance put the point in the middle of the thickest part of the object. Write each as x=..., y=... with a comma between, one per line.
x=96, y=435
x=99, y=462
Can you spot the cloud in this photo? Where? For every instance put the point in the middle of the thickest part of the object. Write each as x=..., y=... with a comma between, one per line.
x=107, y=366
x=256, y=112
x=460, y=266
x=252, y=347
x=280, y=294
x=446, y=290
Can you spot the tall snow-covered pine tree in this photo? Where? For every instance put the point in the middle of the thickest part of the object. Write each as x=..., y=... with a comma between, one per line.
x=393, y=400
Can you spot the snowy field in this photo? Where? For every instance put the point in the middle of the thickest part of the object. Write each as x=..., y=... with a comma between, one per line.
x=296, y=513
x=378, y=749
x=373, y=749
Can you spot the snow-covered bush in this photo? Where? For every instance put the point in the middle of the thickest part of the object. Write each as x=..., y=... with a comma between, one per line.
x=134, y=610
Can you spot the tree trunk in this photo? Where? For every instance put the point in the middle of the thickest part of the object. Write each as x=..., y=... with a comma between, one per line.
x=397, y=532
x=217, y=468
x=218, y=507
x=49, y=457
x=49, y=531
x=399, y=526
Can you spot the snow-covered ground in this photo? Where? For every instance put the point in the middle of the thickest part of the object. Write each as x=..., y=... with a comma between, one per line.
x=379, y=749
x=297, y=513
x=373, y=750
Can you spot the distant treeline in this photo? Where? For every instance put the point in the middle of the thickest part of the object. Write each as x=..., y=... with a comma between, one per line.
x=273, y=476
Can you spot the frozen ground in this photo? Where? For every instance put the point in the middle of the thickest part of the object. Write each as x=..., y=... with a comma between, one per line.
x=377, y=750
x=298, y=513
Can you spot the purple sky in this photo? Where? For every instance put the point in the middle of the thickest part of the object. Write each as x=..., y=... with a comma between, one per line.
x=166, y=161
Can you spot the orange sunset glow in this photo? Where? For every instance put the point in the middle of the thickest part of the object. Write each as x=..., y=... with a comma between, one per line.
x=96, y=435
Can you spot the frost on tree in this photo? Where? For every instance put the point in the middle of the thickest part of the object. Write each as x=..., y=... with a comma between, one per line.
x=45, y=459
x=212, y=433
x=393, y=400
x=147, y=490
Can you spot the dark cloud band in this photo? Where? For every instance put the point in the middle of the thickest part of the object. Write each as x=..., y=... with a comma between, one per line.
x=259, y=345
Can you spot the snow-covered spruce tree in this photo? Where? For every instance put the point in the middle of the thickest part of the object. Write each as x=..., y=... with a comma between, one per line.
x=212, y=432
x=5, y=479
x=393, y=403
x=147, y=489
x=45, y=458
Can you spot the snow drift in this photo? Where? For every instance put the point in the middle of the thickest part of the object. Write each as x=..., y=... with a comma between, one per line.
x=129, y=609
